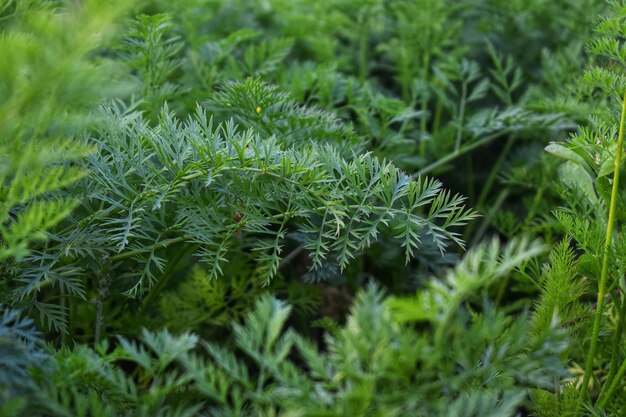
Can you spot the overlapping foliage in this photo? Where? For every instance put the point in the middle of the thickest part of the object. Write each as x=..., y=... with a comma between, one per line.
x=262, y=208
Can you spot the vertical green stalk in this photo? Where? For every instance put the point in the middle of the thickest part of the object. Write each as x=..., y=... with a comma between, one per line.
x=613, y=385
x=459, y=130
x=486, y=188
x=605, y=262
x=617, y=337
x=437, y=117
x=363, y=41
x=615, y=376
x=491, y=210
x=534, y=205
x=471, y=189
x=424, y=105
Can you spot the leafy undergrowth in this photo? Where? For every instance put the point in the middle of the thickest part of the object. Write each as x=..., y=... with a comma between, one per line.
x=312, y=208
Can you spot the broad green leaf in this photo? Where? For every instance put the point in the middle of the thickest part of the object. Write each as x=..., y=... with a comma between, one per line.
x=577, y=178
x=566, y=153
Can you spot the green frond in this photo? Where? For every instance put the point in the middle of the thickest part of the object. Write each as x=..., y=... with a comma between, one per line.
x=480, y=268
x=47, y=80
x=151, y=51
x=270, y=111
x=561, y=292
x=213, y=186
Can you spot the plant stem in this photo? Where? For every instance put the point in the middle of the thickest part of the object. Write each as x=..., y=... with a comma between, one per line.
x=617, y=336
x=169, y=272
x=605, y=265
x=437, y=118
x=461, y=151
x=532, y=210
x=493, y=208
x=291, y=256
x=459, y=130
x=490, y=181
x=613, y=386
x=471, y=189
x=160, y=245
x=495, y=171
x=424, y=105
x=363, y=40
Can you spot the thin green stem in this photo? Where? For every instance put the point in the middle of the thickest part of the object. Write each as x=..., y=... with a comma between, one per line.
x=459, y=130
x=490, y=181
x=169, y=272
x=461, y=151
x=363, y=40
x=291, y=256
x=614, y=384
x=495, y=170
x=406, y=122
x=615, y=345
x=504, y=284
x=485, y=222
x=532, y=210
x=471, y=189
x=438, y=115
x=160, y=245
x=605, y=264
x=424, y=105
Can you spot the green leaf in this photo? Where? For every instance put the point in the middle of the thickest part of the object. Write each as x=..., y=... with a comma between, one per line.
x=577, y=178
x=566, y=153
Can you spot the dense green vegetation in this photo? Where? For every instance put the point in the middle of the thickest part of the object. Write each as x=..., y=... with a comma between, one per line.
x=312, y=208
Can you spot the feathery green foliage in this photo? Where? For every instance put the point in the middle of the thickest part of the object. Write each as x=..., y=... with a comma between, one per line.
x=220, y=208
x=376, y=364
x=46, y=83
x=591, y=175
